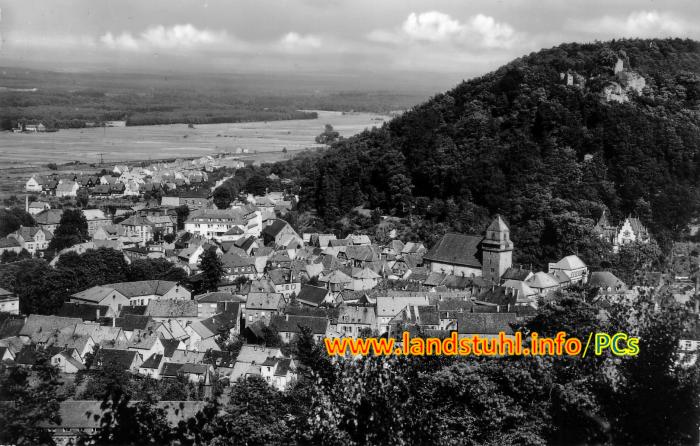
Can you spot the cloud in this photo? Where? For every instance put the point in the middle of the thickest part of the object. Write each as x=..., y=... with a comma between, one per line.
x=637, y=24
x=165, y=38
x=296, y=41
x=437, y=27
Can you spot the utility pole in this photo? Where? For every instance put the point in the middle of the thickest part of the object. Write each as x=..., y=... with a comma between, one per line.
x=101, y=159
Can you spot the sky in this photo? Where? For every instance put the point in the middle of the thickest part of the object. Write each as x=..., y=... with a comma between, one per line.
x=463, y=38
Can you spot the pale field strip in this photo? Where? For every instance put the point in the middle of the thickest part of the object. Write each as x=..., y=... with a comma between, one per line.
x=263, y=139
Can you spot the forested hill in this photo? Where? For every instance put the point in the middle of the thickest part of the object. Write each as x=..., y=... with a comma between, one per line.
x=550, y=140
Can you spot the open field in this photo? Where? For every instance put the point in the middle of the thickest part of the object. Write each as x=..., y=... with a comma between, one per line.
x=177, y=140
x=25, y=154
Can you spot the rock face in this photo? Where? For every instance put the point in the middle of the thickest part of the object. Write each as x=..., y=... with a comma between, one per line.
x=614, y=92
x=627, y=81
x=632, y=80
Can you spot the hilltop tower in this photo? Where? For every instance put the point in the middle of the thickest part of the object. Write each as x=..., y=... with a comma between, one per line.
x=497, y=250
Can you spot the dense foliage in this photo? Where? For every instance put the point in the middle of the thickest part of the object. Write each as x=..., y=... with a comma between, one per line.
x=451, y=400
x=549, y=156
x=42, y=289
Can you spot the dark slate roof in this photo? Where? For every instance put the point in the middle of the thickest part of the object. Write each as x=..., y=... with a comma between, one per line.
x=122, y=358
x=217, y=296
x=291, y=323
x=131, y=322
x=485, y=323
x=312, y=295
x=283, y=366
x=153, y=362
x=498, y=295
x=169, y=346
x=11, y=327
x=274, y=228
x=86, y=312
x=457, y=249
x=516, y=273
x=170, y=370
x=136, y=310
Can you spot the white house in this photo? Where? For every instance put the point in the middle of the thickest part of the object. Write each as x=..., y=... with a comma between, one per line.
x=33, y=185
x=573, y=267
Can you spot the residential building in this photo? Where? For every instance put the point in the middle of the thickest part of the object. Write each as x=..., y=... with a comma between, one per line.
x=9, y=302
x=288, y=326
x=32, y=238
x=262, y=306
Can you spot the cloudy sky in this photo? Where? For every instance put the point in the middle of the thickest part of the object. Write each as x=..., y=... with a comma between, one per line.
x=439, y=36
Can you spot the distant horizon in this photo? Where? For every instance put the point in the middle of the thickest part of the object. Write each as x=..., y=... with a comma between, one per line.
x=431, y=44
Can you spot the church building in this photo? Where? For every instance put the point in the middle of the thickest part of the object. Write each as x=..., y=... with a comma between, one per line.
x=463, y=255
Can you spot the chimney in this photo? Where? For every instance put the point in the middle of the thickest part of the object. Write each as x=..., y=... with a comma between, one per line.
x=286, y=317
x=114, y=321
x=97, y=311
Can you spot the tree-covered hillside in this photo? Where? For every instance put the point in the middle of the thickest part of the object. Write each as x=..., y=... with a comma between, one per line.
x=550, y=140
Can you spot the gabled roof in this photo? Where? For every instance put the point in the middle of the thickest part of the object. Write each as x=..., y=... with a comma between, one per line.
x=264, y=301
x=257, y=353
x=171, y=308
x=152, y=362
x=122, y=358
x=291, y=323
x=131, y=322
x=94, y=294
x=335, y=277
x=605, y=279
x=143, y=287
x=217, y=296
x=457, y=249
x=390, y=306
x=417, y=315
x=516, y=273
x=542, y=280
x=274, y=228
x=86, y=312
x=37, y=323
x=49, y=217
x=312, y=295
x=485, y=323
x=357, y=315
x=570, y=263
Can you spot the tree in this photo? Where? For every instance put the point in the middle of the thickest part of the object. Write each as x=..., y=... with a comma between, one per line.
x=657, y=378
x=155, y=269
x=257, y=184
x=11, y=219
x=72, y=229
x=212, y=269
x=328, y=136
x=83, y=197
x=224, y=195
x=255, y=415
x=25, y=405
x=182, y=213
x=400, y=190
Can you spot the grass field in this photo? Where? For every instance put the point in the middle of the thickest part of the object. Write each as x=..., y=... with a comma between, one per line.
x=262, y=139
x=25, y=154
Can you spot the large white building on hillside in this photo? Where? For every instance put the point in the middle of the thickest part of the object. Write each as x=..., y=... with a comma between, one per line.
x=216, y=223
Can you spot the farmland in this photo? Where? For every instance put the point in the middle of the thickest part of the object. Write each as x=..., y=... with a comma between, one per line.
x=264, y=140
x=24, y=154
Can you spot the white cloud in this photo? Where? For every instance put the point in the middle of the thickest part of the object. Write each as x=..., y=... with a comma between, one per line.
x=294, y=41
x=637, y=24
x=432, y=26
x=437, y=27
x=165, y=38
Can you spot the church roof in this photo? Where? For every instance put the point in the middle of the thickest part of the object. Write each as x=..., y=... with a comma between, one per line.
x=457, y=249
x=498, y=224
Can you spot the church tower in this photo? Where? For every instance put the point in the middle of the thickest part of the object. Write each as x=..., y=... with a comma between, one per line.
x=497, y=250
